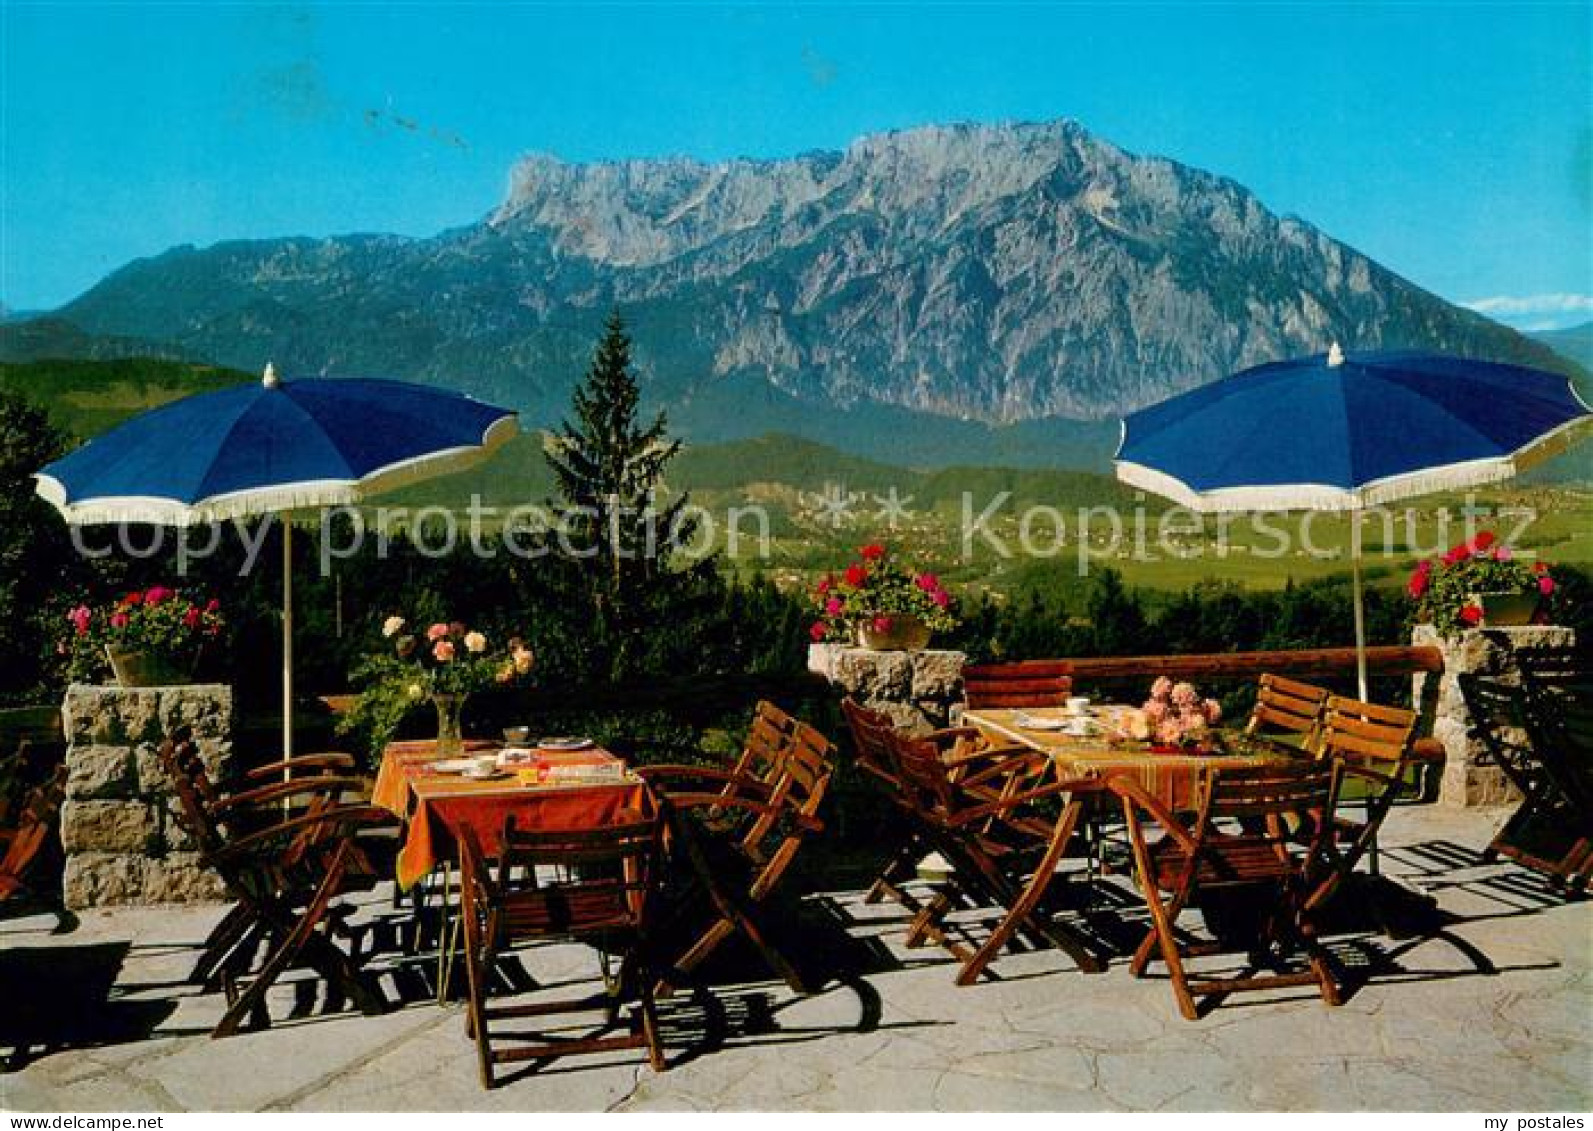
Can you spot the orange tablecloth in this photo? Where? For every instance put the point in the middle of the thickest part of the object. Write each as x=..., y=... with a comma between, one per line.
x=435, y=806
x=1170, y=778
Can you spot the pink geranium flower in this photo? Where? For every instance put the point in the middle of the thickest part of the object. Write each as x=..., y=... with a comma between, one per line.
x=1545, y=584
x=443, y=651
x=833, y=607
x=437, y=632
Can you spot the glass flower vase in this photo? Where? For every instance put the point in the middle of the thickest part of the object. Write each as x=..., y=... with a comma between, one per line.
x=450, y=729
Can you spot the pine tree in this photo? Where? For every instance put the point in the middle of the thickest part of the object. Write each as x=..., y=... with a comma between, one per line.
x=609, y=467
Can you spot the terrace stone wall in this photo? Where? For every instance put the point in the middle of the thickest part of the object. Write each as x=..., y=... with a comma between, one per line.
x=1467, y=780
x=119, y=826
x=916, y=689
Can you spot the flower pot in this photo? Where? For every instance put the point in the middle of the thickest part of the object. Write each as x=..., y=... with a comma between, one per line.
x=450, y=724
x=145, y=669
x=1500, y=610
x=905, y=634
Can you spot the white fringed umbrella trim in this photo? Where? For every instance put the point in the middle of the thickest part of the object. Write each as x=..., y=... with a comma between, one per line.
x=300, y=495
x=1378, y=492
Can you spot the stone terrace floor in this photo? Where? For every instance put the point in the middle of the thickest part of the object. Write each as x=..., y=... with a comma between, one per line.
x=1492, y=1012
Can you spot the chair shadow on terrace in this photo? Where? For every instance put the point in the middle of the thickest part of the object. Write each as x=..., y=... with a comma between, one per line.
x=1383, y=930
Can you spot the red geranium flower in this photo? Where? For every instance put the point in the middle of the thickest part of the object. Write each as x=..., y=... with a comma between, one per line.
x=873, y=552
x=1545, y=585
x=192, y=617
x=883, y=624
x=132, y=599
x=856, y=575
x=818, y=631
x=825, y=584
x=1540, y=567
x=1471, y=614
x=1482, y=541
x=158, y=594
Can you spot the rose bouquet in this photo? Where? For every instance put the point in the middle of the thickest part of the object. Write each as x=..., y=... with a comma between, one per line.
x=445, y=663
x=165, y=627
x=1448, y=590
x=877, y=592
x=1176, y=715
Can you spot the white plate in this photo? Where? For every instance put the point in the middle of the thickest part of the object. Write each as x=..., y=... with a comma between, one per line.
x=483, y=775
x=453, y=766
x=1040, y=722
x=565, y=743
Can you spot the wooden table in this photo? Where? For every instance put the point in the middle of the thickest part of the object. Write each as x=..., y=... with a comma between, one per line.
x=434, y=806
x=1090, y=762
x=1171, y=778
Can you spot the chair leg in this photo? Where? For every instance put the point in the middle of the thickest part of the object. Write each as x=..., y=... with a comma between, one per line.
x=718, y=932
x=1021, y=911
x=478, y=964
x=224, y=937
x=649, y=1011
x=901, y=866
x=298, y=936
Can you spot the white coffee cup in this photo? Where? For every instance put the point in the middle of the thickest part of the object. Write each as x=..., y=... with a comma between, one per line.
x=1078, y=704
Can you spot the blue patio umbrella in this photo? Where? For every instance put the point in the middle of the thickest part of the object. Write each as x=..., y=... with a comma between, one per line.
x=271, y=448
x=1342, y=432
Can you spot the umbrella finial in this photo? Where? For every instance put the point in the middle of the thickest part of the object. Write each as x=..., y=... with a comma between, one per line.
x=269, y=379
x=1335, y=356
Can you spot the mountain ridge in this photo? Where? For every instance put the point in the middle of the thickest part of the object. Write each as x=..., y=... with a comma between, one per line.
x=992, y=273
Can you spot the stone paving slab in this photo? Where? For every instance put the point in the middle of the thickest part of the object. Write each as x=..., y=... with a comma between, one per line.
x=1490, y=1013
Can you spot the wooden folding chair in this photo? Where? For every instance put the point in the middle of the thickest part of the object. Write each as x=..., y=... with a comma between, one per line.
x=1026, y=683
x=760, y=761
x=596, y=886
x=739, y=874
x=1238, y=845
x=284, y=874
x=24, y=835
x=212, y=815
x=959, y=748
x=1558, y=718
x=1542, y=832
x=1288, y=713
x=1002, y=848
x=1373, y=747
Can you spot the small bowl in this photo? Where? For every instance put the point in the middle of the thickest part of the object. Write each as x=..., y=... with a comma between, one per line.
x=1078, y=705
x=517, y=736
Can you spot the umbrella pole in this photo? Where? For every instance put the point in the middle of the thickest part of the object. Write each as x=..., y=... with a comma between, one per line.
x=1360, y=605
x=287, y=643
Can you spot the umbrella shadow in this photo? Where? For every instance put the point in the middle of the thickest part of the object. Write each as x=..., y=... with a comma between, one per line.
x=65, y=997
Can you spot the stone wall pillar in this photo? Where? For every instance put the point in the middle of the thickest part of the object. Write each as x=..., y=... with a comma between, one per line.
x=1490, y=652
x=916, y=689
x=119, y=825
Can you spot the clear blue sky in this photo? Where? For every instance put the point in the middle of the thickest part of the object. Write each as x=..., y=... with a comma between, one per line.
x=1451, y=142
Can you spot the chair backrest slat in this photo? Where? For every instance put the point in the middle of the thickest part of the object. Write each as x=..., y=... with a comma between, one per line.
x=1288, y=709
x=1362, y=731
x=1029, y=683
x=1268, y=791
